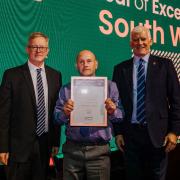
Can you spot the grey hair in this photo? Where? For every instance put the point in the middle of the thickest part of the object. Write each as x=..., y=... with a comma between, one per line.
x=139, y=29
x=37, y=34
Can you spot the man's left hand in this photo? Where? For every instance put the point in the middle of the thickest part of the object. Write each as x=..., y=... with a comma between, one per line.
x=110, y=106
x=170, y=142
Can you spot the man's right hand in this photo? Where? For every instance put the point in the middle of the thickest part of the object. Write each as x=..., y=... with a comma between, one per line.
x=120, y=142
x=68, y=107
x=4, y=158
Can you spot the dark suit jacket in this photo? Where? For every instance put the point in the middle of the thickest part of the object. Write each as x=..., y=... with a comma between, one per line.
x=18, y=111
x=162, y=97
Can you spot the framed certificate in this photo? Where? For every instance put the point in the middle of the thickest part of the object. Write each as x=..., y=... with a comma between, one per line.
x=89, y=95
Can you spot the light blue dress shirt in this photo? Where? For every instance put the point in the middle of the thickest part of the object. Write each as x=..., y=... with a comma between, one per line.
x=135, y=68
x=33, y=73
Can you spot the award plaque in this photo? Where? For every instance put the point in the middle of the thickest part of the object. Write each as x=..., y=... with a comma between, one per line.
x=89, y=95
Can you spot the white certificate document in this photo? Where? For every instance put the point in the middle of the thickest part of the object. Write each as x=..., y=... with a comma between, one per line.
x=89, y=95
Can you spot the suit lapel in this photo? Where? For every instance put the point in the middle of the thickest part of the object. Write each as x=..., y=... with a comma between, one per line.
x=49, y=81
x=29, y=83
x=152, y=71
x=128, y=74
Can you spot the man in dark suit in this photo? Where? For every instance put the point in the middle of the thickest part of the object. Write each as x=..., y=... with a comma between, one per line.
x=27, y=99
x=150, y=93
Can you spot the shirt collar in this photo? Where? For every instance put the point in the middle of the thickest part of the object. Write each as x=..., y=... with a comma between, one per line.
x=32, y=67
x=137, y=58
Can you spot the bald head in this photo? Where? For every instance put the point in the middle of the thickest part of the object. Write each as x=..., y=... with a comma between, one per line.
x=85, y=52
x=86, y=63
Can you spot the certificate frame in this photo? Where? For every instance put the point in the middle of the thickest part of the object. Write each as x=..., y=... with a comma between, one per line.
x=89, y=95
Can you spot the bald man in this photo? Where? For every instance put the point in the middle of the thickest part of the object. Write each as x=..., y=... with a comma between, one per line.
x=87, y=155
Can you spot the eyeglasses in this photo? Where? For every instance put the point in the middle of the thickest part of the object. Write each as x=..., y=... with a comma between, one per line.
x=38, y=48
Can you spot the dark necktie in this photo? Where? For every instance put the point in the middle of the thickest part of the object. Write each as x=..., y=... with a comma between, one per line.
x=140, y=114
x=41, y=113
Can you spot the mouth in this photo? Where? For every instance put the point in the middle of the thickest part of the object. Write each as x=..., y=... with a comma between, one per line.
x=38, y=55
x=140, y=47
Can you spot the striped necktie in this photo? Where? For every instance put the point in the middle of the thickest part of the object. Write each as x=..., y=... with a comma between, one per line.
x=140, y=114
x=41, y=113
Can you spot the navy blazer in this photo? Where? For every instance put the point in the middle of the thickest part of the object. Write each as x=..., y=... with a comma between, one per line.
x=18, y=111
x=162, y=99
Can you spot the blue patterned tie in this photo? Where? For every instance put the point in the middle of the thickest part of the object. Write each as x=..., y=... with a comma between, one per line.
x=140, y=114
x=41, y=113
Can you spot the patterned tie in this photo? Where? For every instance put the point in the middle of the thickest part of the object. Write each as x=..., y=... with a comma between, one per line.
x=140, y=114
x=40, y=129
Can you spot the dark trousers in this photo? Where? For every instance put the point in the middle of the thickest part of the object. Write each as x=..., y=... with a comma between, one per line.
x=143, y=161
x=35, y=168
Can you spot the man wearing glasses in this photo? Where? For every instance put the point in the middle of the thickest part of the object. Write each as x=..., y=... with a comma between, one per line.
x=27, y=98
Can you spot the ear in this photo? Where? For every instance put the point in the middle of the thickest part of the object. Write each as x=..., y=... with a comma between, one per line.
x=27, y=50
x=151, y=42
x=96, y=64
x=131, y=44
x=47, y=52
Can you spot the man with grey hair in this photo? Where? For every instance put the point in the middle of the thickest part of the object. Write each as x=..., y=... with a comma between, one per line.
x=150, y=93
x=27, y=99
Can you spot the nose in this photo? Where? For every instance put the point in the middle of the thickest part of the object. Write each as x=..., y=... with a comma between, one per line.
x=86, y=63
x=38, y=49
x=139, y=41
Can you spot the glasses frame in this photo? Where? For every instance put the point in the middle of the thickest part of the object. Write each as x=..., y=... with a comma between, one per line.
x=38, y=48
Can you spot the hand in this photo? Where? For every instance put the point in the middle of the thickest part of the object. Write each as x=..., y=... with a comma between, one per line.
x=68, y=107
x=4, y=158
x=55, y=151
x=120, y=142
x=170, y=142
x=110, y=106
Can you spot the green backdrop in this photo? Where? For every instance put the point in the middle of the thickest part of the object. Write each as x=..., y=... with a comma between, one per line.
x=103, y=26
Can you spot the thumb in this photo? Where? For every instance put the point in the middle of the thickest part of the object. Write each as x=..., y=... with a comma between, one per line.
x=165, y=141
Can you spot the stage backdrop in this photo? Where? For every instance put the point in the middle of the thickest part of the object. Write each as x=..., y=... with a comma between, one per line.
x=103, y=26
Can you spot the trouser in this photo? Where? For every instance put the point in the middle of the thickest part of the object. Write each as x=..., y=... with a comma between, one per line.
x=91, y=162
x=143, y=161
x=35, y=167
